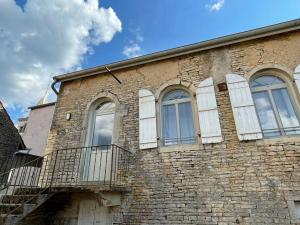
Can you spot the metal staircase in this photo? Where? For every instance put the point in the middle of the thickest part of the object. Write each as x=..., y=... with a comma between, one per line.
x=20, y=203
x=25, y=186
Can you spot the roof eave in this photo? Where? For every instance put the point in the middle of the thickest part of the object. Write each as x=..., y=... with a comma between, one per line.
x=184, y=50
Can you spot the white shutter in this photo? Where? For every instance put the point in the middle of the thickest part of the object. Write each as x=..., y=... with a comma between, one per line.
x=208, y=112
x=297, y=77
x=147, y=120
x=244, y=113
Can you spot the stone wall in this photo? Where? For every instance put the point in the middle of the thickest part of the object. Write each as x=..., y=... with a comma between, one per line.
x=228, y=183
x=10, y=140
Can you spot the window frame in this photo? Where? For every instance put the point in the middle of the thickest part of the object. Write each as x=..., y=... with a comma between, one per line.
x=87, y=134
x=268, y=89
x=176, y=102
x=93, y=122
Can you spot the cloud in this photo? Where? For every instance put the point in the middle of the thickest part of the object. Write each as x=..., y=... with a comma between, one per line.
x=46, y=38
x=133, y=48
x=216, y=6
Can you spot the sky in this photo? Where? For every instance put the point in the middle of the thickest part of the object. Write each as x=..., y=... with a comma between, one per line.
x=40, y=38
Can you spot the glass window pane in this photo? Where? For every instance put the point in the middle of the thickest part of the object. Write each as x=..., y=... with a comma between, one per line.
x=106, y=107
x=169, y=124
x=187, y=134
x=265, y=114
x=103, y=129
x=286, y=111
x=265, y=81
x=177, y=94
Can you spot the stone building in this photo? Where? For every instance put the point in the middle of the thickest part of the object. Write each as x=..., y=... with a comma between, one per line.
x=10, y=140
x=211, y=131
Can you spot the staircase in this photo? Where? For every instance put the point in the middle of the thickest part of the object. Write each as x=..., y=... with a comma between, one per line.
x=20, y=203
x=25, y=185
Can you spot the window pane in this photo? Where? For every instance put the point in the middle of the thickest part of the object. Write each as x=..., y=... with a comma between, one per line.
x=265, y=114
x=103, y=129
x=177, y=94
x=265, y=81
x=286, y=111
x=187, y=134
x=106, y=107
x=169, y=124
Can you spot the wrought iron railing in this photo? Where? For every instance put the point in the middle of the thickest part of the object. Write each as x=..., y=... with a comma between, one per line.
x=97, y=166
x=18, y=165
x=84, y=166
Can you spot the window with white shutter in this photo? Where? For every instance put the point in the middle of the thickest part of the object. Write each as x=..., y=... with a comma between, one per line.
x=242, y=104
x=147, y=120
x=297, y=77
x=208, y=112
x=177, y=118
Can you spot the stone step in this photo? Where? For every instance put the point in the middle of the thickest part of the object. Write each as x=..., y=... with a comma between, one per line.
x=10, y=219
x=27, y=191
x=19, y=199
x=8, y=208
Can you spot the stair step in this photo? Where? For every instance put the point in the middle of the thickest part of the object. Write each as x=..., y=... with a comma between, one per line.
x=27, y=191
x=7, y=208
x=19, y=199
x=10, y=219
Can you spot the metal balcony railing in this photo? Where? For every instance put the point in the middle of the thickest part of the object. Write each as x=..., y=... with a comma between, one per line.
x=97, y=166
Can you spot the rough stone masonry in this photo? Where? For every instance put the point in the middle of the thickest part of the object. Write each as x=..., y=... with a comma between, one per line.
x=233, y=182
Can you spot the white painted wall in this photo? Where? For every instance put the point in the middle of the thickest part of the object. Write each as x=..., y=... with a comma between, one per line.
x=37, y=129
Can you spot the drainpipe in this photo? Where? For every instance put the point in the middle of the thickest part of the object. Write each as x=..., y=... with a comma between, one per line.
x=53, y=87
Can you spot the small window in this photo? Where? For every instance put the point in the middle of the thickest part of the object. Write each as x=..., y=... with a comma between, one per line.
x=177, y=118
x=103, y=124
x=274, y=106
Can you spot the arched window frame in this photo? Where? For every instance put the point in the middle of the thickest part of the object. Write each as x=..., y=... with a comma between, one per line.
x=287, y=83
x=90, y=120
x=192, y=98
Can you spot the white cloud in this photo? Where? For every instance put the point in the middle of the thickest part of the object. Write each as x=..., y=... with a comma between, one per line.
x=132, y=50
x=47, y=38
x=216, y=6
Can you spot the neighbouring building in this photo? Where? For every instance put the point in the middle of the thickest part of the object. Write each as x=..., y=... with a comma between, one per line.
x=10, y=140
x=204, y=134
x=10, y=143
x=22, y=122
x=35, y=128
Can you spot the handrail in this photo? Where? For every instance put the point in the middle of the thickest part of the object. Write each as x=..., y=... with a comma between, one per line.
x=106, y=166
x=38, y=157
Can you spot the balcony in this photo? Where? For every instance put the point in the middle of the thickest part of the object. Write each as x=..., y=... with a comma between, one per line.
x=97, y=167
x=27, y=182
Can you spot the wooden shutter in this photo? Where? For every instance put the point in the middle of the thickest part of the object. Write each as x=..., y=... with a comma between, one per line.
x=208, y=112
x=243, y=108
x=297, y=77
x=147, y=120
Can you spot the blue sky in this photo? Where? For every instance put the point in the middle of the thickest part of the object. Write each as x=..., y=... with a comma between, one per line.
x=146, y=27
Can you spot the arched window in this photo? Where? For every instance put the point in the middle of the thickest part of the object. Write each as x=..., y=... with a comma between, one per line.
x=177, y=118
x=274, y=106
x=103, y=124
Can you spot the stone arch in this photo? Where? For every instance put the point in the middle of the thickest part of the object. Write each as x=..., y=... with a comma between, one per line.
x=88, y=114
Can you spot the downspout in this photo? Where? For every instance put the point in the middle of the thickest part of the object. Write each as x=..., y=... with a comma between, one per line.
x=53, y=86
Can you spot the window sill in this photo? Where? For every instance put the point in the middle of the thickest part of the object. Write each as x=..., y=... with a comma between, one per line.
x=178, y=148
x=278, y=140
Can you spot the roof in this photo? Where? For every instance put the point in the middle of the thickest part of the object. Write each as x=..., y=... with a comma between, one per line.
x=188, y=49
x=42, y=105
x=21, y=144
